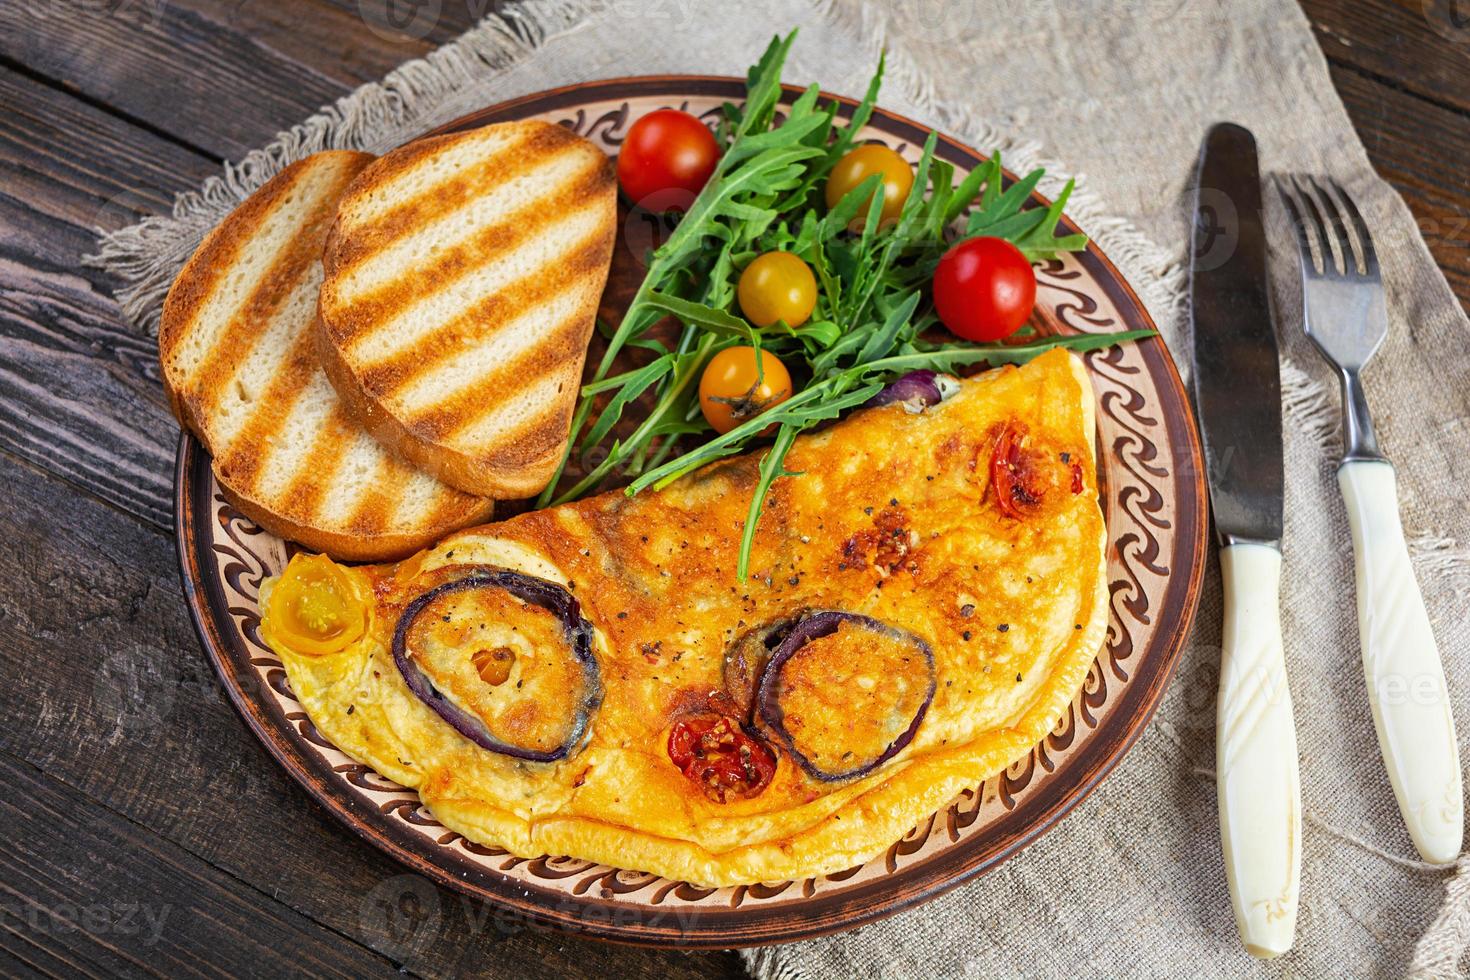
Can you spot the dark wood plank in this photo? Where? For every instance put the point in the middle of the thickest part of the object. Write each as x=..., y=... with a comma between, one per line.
x=85, y=892
x=107, y=691
x=1419, y=46
x=169, y=67
x=1421, y=149
x=79, y=389
x=224, y=75
x=391, y=20
x=348, y=42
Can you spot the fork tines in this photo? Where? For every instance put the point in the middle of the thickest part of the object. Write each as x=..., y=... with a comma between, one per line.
x=1336, y=255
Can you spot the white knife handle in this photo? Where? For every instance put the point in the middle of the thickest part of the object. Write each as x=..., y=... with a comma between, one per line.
x=1255, y=752
x=1406, y=685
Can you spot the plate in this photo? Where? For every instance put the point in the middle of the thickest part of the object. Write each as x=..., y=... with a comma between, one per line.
x=1152, y=491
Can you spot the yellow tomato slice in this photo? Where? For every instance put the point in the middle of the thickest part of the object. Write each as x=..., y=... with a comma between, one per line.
x=316, y=606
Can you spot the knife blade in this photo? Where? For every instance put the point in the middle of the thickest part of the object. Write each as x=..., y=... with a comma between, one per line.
x=1236, y=374
x=1238, y=396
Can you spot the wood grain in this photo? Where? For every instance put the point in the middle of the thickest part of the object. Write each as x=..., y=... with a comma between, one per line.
x=1421, y=149
x=1420, y=47
x=332, y=39
x=80, y=389
x=85, y=892
x=137, y=58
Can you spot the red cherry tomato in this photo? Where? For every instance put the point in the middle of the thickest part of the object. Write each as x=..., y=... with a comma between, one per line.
x=666, y=158
x=714, y=752
x=984, y=289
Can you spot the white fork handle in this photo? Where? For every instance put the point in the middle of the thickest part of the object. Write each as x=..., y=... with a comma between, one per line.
x=1255, y=752
x=1406, y=685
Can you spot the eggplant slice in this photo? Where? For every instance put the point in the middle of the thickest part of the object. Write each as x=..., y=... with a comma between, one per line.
x=506, y=659
x=746, y=659
x=845, y=693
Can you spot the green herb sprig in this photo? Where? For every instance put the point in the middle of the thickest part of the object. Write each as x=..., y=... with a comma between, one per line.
x=871, y=313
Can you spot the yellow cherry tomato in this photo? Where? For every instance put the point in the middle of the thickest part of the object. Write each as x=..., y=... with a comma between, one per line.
x=733, y=389
x=316, y=606
x=859, y=164
x=777, y=286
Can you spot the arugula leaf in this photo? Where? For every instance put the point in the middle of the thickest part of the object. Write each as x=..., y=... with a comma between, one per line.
x=1042, y=241
x=882, y=340
x=710, y=318
x=771, y=467
x=1033, y=231
x=636, y=384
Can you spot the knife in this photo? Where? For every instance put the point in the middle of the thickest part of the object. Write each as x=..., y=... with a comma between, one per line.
x=1238, y=394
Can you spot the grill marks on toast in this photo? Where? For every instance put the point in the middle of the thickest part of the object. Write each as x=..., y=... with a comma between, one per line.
x=475, y=182
x=288, y=286
x=393, y=299
x=464, y=381
x=237, y=344
x=462, y=279
x=534, y=413
x=246, y=454
x=218, y=291
x=534, y=318
x=389, y=356
x=393, y=200
x=312, y=482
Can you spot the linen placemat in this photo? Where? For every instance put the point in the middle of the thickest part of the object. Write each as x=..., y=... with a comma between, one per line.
x=1118, y=94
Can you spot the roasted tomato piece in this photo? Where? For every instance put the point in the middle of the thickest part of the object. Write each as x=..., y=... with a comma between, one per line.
x=316, y=607
x=1022, y=475
x=723, y=759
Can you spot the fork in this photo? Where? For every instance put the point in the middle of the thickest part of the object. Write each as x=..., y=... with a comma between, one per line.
x=1344, y=314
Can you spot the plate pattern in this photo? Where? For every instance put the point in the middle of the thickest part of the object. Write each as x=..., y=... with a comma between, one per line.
x=1151, y=493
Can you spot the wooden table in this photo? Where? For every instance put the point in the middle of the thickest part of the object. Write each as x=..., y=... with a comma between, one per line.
x=144, y=829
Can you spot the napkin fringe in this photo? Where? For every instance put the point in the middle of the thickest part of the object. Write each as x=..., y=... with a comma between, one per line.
x=1444, y=558
x=1443, y=945
x=768, y=963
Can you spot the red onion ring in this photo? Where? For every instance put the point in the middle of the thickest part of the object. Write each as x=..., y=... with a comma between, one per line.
x=549, y=596
x=815, y=626
x=918, y=388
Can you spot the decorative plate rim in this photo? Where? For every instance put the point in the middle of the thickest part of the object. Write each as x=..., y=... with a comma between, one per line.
x=709, y=928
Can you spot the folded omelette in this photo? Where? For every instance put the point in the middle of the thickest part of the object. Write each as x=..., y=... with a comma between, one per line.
x=591, y=680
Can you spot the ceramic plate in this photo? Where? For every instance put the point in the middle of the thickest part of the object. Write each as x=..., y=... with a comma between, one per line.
x=1153, y=498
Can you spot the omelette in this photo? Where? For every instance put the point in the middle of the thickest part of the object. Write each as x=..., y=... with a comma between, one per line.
x=926, y=594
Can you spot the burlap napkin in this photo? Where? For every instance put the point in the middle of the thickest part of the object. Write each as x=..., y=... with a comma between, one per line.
x=1117, y=93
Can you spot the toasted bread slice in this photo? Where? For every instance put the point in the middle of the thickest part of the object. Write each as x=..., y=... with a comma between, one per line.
x=462, y=280
x=239, y=359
